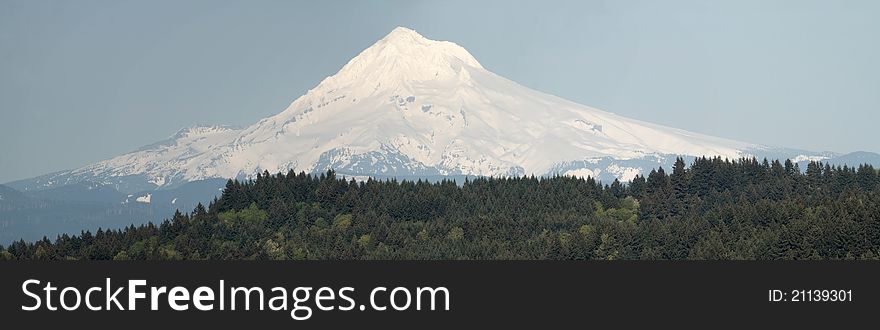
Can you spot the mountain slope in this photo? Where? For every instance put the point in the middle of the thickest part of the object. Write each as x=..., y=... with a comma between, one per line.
x=409, y=106
x=11, y=198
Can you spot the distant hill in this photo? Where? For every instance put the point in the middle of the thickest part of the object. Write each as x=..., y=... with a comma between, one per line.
x=856, y=159
x=11, y=198
x=73, y=208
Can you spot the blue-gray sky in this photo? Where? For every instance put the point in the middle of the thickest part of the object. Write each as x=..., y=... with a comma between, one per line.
x=82, y=81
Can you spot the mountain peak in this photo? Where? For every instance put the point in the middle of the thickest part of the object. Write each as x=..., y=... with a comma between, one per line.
x=402, y=34
x=400, y=57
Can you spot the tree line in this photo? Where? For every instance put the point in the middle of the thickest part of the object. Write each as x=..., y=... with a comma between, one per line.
x=714, y=209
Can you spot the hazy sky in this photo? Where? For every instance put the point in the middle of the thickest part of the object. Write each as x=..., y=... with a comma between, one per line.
x=82, y=81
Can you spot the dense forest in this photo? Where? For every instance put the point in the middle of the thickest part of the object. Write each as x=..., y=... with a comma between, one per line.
x=714, y=209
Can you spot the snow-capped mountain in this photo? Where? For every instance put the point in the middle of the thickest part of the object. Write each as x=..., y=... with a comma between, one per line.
x=408, y=106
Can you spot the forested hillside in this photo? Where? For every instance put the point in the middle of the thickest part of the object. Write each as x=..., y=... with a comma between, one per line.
x=714, y=209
